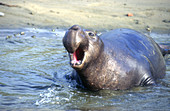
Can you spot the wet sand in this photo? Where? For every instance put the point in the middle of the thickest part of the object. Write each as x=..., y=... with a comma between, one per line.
x=92, y=14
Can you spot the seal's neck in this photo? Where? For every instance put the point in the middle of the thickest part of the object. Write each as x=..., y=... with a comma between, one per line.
x=95, y=62
x=91, y=71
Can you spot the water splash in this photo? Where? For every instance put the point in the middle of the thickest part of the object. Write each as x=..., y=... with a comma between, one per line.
x=53, y=95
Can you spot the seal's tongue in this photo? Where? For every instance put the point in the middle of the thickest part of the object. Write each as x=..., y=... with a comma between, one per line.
x=77, y=57
x=75, y=60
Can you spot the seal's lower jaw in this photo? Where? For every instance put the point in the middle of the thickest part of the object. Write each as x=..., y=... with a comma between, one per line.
x=77, y=58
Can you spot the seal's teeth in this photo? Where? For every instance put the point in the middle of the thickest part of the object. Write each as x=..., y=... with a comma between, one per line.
x=71, y=56
x=78, y=62
x=73, y=62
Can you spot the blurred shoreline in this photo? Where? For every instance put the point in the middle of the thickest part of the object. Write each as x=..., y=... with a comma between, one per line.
x=147, y=15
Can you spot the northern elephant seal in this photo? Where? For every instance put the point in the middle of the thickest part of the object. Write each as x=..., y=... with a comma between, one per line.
x=119, y=59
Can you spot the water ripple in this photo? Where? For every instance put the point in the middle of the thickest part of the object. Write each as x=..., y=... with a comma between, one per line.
x=32, y=76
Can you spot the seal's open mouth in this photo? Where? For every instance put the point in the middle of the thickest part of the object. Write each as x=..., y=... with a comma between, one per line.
x=77, y=57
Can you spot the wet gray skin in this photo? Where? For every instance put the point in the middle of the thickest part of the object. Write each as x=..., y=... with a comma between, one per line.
x=119, y=59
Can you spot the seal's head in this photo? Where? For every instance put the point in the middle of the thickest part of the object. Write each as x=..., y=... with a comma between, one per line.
x=83, y=46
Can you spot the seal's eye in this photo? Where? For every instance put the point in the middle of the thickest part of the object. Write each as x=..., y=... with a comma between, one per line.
x=91, y=34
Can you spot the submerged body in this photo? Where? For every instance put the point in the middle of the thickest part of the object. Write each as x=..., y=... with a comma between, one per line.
x=119, y=59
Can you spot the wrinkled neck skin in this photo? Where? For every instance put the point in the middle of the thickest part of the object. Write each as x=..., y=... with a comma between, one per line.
x=94, y=52
x=93, y=61
x=88, y=73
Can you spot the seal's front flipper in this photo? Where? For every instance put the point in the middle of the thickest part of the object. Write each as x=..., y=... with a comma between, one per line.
x=146, y=81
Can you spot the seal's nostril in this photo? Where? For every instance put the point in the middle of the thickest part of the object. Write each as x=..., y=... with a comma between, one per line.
x=75, y=27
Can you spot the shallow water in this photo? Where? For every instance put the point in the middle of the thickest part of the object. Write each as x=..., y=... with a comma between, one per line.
x=32, y=76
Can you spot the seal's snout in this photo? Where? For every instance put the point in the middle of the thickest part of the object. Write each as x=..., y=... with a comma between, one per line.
x=76, y=43
x=74, y=38
x=71, y=39
x=75, y=27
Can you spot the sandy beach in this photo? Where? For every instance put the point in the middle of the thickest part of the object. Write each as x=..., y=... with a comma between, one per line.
x=92, y=14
